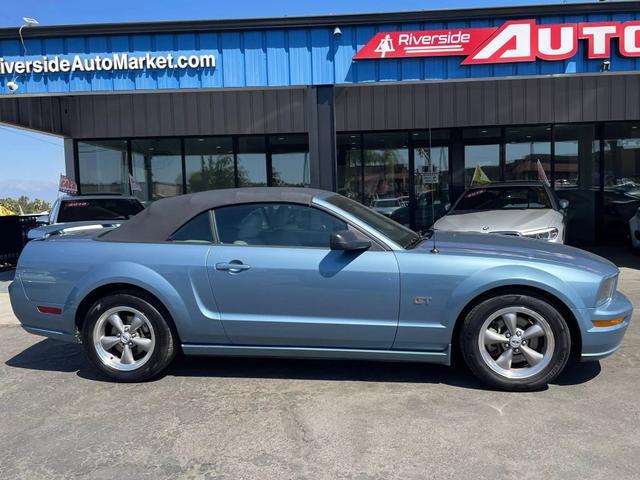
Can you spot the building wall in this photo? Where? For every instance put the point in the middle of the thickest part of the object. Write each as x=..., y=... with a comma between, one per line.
x=588, y=98
x=278, y=57
x=164, y=114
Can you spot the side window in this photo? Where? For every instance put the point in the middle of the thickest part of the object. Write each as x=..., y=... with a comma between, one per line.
x=276, y=224
x=196, y=230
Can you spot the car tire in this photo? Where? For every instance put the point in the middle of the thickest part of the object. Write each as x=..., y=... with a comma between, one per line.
x=128, y=338
x=515, y=342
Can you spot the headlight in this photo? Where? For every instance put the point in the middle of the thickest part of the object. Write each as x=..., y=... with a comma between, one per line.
x=542, y=234
x=607, y=290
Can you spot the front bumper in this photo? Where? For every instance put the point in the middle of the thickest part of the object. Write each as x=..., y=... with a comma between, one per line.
x=600, y=342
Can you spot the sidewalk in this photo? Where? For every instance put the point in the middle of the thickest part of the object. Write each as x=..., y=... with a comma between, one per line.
x=6, y=314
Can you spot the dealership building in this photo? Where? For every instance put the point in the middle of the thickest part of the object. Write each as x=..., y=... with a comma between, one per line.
x=388, y=108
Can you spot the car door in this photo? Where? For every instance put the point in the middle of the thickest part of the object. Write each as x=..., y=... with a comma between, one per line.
x=277, y=282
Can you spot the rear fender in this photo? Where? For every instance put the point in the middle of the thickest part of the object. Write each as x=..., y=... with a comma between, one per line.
x=138, y=276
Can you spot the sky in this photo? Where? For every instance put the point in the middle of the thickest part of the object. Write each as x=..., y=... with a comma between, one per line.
x=30, y=163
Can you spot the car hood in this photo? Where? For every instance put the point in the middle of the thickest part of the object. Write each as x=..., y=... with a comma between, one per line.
x=500, y=221
x=516, y=249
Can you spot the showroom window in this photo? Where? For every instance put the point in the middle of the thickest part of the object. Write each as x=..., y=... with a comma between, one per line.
x=289, y=161
x=386, y=169
x=577, y=178
x=349, y=166
x=621, y=196
x=527, y=152
x=163, y=167
x=430, y=176
x=157, y=168
x=209, y=163
x=482, y=155
x=102, y=166
x=252, y=162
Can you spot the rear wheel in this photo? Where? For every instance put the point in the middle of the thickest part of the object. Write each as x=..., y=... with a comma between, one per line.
x=128, y=338
x=515, y=342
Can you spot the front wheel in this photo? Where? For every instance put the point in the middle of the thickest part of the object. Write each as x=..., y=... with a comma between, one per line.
x=128, y=338
x=515, y=342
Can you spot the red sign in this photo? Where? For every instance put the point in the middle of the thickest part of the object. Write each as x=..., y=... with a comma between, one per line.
x=67, y=185
x=514, y=41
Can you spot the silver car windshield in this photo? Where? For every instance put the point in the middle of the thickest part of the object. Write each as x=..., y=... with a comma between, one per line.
x=503, y=198
x=387, y=227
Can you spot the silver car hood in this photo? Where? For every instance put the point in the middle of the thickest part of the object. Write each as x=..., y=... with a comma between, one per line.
x=493, y=221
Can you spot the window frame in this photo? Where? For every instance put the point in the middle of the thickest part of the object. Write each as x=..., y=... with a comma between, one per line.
x=196, y=242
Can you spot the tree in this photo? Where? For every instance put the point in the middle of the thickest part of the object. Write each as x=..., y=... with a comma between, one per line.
x=27, y=206
x=213, y=174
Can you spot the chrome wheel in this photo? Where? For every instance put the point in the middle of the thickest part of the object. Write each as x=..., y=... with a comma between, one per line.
x=516, y=342
x=124, y=338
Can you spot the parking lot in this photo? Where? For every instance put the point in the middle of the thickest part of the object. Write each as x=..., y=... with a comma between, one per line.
x=253, y=418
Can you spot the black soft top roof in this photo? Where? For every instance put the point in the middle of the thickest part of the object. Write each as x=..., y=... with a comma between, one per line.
x=160, y=220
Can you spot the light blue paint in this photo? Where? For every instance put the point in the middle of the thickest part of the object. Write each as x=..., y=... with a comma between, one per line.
x=368, y=296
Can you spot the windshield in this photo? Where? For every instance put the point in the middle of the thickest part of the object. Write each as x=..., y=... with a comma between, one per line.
x=387, y=227
x=503, y=198
x=83, y=210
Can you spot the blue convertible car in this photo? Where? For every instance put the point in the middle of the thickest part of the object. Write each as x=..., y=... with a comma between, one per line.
x=306, y=273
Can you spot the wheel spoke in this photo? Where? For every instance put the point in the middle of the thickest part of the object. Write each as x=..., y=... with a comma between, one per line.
x=116, y=321
x=127, y=354
x=492, y=337
x=532, y=357
x=143, y=343
x=533, y=331
x=504, y=360
x=109, y=342
x=511, y=321
x=136, y=323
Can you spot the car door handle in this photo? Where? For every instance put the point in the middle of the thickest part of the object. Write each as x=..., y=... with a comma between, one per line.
x=233, y=266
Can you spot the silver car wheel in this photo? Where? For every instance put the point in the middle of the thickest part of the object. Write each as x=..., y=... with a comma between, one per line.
x=516, y=342
x=124, y=338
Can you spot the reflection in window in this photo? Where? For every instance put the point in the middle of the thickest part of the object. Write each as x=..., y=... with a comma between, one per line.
x=621, y=178
x=431, y=178
x=386, y=170
x=349, y=166
x=276, y=225
x=481, y=162
x=103, y=166
x=577, y=178
x=289, y=161
x=527, y=150
x=252, y=162
x=157, y=168
x=209, y=163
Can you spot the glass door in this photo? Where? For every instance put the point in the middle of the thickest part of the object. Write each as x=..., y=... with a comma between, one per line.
x=430, y=177
x=621, y=180
x=386, y=173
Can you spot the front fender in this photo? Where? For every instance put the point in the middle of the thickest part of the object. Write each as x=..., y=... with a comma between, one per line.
x=509, y=276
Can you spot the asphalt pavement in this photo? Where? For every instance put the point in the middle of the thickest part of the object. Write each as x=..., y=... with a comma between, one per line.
x=294, y=419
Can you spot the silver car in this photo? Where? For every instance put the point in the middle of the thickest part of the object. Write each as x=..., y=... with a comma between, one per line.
x=524, y=209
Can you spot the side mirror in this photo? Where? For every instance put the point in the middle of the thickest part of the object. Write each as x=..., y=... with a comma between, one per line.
x=346, y=240
x=36, y=234
x=447, y=207
x=564, y=204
